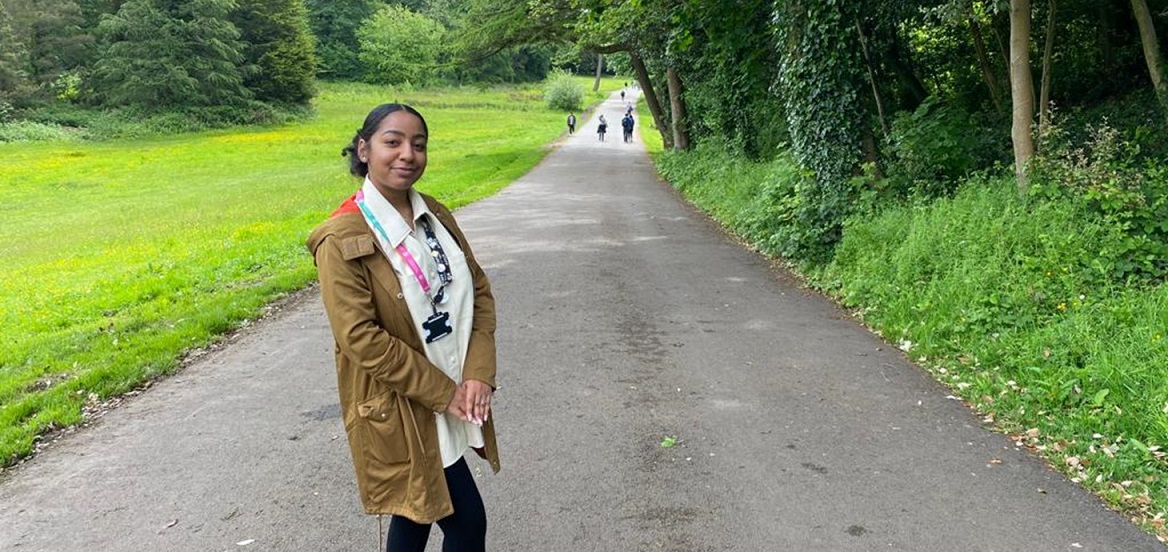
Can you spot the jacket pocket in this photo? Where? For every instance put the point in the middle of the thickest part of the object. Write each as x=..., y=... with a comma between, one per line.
x=382, y=427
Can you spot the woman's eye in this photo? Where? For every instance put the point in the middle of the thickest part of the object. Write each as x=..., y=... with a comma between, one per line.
x=420, y=147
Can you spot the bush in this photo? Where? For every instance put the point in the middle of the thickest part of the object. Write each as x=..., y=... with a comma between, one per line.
x=1106, y=177
x=933, y=149
x=563, y=92
x=29, y=131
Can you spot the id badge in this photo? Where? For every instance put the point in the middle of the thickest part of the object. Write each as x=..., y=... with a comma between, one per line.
x=437, y=326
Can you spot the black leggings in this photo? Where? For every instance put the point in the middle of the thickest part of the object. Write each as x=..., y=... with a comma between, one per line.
x=463, y=531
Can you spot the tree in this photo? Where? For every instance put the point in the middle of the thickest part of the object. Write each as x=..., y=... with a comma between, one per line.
x=821, y=80
x=334, y=24
x=1047, y=54
x=165, y=54
x=12, y=77
x=400, y=46
x=280, y=46
x=1021, y=89
x=1151, y=52
x=53, y=37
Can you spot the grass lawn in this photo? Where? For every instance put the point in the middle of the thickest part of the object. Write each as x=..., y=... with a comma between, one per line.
x=119, y=256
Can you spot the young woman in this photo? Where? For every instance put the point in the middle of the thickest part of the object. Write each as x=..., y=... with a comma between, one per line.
x=414, y=321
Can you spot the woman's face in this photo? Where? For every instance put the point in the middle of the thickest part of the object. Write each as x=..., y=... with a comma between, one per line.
x=396, y=153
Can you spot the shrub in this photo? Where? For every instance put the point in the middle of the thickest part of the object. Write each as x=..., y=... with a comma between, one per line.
x=563, y=92
x=933, y=149
x=1105, y=176
x=30, y=131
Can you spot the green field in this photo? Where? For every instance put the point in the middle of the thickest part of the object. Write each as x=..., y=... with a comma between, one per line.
x=119, y=256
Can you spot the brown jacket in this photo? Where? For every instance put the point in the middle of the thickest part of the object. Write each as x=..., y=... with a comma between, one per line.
x=389, y=391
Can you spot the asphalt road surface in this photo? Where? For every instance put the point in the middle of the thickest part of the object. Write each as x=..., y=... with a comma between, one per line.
x=626, y=319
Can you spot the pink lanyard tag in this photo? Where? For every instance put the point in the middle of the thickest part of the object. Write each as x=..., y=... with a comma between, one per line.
x=417, y=270
x=401, y=247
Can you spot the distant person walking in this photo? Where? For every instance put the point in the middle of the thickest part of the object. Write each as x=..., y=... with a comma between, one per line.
x=602, y=128
x=622, y=94
x=413, y=322
x=627, y=125
x=571, y=123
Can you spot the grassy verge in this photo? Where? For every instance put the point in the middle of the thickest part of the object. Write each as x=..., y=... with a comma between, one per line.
x=1007, y=302
x=120, y=255
x=648, y=130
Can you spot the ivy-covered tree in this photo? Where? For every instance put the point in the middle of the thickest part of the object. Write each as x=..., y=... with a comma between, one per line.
x=400, y=46
x=280, y=47
x=821, y=77
x=334, y=23
x=164, y=54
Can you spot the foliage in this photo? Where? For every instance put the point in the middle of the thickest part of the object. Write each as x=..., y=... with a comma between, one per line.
x=32, y=131
x=820, y=81
x=728, y=84
x=931, y=150
x=12, y=76
x=335, y=24
x=54, y=38
x=399, y=47
x=563, y=92
x=280, y=47
x=511, y=65
x=162, y=55
x=116, y=295
x=1104, y=176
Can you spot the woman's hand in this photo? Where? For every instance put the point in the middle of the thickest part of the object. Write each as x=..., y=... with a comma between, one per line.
x=458, y=404
x=477, y=403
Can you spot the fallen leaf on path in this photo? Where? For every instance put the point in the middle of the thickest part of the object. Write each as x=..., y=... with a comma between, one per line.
x=668, y=442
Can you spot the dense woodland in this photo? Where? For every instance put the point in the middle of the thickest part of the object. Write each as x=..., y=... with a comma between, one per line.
x=893, y=98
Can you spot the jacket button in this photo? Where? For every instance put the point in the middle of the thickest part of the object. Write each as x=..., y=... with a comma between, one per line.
x=382, y=414
x=399, y=296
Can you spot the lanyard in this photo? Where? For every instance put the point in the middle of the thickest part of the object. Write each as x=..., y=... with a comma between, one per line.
x=431, y=241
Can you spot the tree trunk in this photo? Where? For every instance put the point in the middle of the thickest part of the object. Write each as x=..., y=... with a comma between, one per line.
x=1151, y=52
x=599, y=68
x=1044, y=96
x=1021, y=89
x=983, y=60
x=871, y=152
x=677, y=110
x=872, y=79
x=651, y=98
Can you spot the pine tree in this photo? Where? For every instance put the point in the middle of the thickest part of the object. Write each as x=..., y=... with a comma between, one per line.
x=12, y=54
x=280, y=46
x=164, y=54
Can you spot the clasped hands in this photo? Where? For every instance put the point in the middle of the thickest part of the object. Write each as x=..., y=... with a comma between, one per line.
x=471, y=402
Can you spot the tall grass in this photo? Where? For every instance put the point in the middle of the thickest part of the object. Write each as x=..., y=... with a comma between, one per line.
x=120, y=255
x=1014, y=304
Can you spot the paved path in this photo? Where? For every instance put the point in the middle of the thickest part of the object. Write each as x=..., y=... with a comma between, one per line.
x=625, y=317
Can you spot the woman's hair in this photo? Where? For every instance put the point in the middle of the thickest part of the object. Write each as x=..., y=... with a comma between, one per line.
x=358, y=167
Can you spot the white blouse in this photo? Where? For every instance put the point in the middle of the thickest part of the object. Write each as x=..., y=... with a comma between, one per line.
x=447, y=353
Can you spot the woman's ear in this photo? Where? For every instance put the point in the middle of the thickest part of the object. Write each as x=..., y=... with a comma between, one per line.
x=362, y=154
